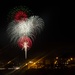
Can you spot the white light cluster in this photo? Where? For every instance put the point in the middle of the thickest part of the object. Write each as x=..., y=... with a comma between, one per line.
x=29, y=27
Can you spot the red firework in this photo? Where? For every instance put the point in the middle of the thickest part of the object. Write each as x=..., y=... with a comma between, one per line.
x=20, y=15
x=24, y=39
x=25, y=43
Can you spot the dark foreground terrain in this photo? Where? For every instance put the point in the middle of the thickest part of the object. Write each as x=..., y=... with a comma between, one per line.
x=40, y=72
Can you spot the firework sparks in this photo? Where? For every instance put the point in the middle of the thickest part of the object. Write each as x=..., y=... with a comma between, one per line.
x=25, y=43
x=30, y=27
x=23, y=30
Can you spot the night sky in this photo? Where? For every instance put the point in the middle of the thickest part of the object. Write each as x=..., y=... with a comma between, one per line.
x=58, y=36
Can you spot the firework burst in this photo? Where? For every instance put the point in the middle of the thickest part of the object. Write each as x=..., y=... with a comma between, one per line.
x=29, y=27
x=23, y=29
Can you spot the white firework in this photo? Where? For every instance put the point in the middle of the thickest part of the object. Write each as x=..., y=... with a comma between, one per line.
x=29, y=27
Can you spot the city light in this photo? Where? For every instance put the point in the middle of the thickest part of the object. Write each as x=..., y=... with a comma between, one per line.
x=43, y=63
x=68, y=60
x=56, y=57
x=17, y=68
x=26, y=64
x=71, y=58
x=2, y=68
x=30, y=61
x=9, y=62
x=55, y=62
x=34, y=63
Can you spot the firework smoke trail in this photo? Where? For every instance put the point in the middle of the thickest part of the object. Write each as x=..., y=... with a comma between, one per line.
x=29, y=27
x=25, y=48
